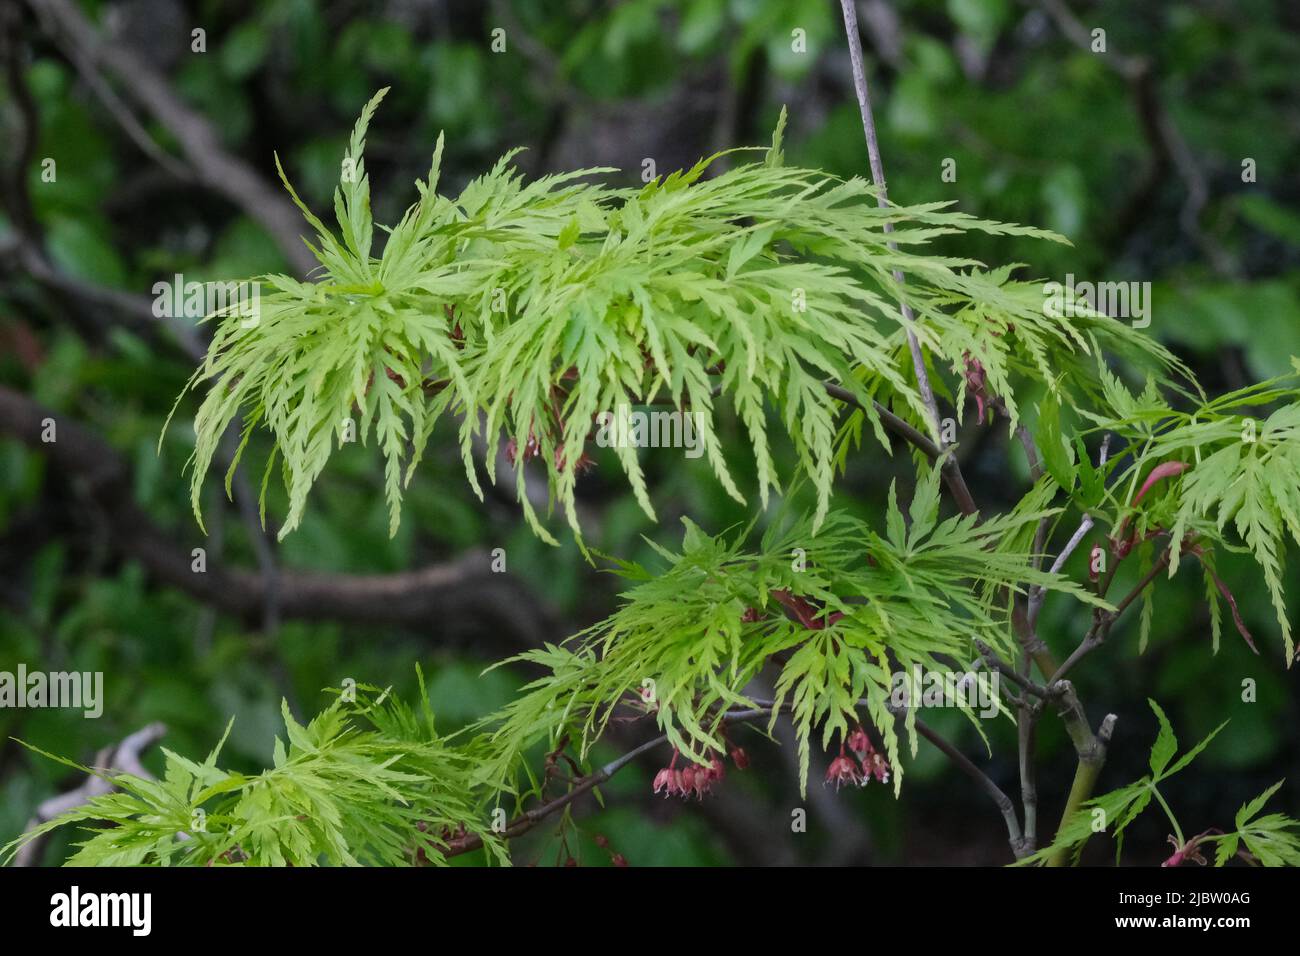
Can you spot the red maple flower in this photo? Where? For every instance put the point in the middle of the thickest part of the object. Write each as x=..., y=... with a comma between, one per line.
x=859, y=742
x=532, y=449
x=844, y=770
x=669, y=778
x=877, y=766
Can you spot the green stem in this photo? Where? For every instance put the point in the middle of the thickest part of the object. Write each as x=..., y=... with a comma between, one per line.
x=1178, y=832
x=1092, y=757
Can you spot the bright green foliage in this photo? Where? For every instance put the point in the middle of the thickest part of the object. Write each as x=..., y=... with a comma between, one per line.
x=336, y=795
x=531, y=309
x=697, y=632
x=1241, y=471
x=1006, y=325
x=1274, y=840
x=353, y=346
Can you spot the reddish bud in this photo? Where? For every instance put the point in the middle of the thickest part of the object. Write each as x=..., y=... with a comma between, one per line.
x=805, y=612
x=976, y=383
x=1188, y=851
x=1161, y=471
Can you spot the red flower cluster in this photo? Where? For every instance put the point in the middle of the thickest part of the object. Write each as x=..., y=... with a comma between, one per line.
x=695, y=778
x=532, y=449
x=845, y=770
x=585, y=462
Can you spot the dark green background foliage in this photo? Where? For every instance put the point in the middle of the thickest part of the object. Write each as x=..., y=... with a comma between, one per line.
x=1042, y=132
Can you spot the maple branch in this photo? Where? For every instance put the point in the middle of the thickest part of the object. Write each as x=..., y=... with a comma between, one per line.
x=464, y=595
x=531, y=818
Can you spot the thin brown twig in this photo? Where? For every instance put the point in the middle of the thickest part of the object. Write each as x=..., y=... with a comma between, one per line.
x=949, y=464
x=531, y=818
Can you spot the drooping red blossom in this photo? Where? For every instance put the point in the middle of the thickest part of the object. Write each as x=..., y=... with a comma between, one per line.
x=739, y=758
x=876, y=766
x=873, y=762
x=665, y=781
x=669, y=778
x=859, y=743
x=686, y=781
x=532, y=449
x=844, y=770
x=585, y=462
x=693, y=779
x=716, y=770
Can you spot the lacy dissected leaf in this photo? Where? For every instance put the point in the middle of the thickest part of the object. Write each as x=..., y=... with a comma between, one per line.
x=1273, y=839
x=1230, y=481
x=844, y=607
x=341, y=358
x=533, y=310
x=1120, y=807
x=1009, y=328
x=337, y=795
